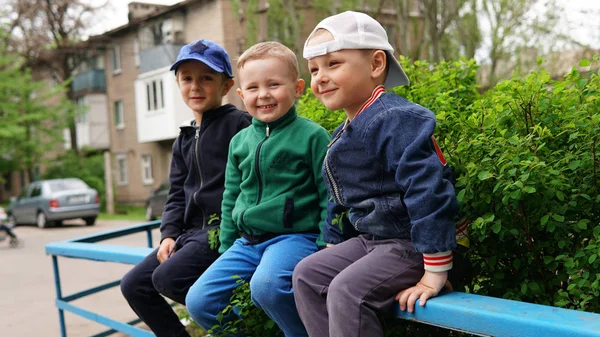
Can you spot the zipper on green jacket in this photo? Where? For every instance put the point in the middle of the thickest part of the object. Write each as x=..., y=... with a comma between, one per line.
x=257, y=166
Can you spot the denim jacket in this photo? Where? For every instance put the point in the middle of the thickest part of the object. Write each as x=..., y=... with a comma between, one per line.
x=384, y=170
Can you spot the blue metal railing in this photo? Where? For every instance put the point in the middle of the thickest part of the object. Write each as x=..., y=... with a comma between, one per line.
x=87, y=248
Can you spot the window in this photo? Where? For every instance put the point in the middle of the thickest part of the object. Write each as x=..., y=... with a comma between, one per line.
x=115, y=58
x=136, y=52
x=122, y=177
x=119, y=117
x=155, y=98
x=147, y=178
x=37, y=191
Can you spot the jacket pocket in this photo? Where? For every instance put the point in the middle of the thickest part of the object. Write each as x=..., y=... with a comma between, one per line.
x=288, y=213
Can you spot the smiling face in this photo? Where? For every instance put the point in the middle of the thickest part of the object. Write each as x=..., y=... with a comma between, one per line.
x=345, y=79
x=268, y=88
x=201, y=87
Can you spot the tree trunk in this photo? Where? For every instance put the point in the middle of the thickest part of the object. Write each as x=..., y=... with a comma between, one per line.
x=66, y=70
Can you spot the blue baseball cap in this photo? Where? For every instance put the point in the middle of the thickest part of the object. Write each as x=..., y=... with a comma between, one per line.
x=207, y=52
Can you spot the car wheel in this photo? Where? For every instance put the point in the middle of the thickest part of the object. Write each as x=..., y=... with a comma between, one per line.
x=42, y=222
x=149, y=215
x=90, y=221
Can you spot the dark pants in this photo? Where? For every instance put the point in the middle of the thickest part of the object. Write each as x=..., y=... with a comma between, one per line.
x=8, y=231
x=143, y=285
x=340, y=291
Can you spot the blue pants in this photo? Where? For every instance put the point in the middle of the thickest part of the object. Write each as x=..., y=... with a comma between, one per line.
x=268, y=266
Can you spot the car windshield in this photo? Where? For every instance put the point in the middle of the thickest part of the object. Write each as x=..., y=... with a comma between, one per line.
x=65, y=185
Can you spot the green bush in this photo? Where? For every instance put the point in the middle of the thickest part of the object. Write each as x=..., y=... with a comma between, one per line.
x=89, y=168
x=529, y=158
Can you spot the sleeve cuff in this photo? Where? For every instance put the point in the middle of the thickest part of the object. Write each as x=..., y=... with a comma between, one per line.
x=438, y=262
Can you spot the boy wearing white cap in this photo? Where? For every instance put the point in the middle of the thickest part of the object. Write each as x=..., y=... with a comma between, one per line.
x=385, y=169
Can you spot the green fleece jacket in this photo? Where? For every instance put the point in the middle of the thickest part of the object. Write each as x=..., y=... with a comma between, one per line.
x=273, y=180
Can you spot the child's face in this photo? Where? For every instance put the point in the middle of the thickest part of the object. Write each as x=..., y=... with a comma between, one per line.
x=268, y=88
x=201, y=87
x=342, y=79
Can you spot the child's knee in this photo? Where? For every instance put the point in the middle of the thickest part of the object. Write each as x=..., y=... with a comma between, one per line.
x=303, y=273
x=131, y=283
x=340, y=289
x=270, y=290
x=199, y=307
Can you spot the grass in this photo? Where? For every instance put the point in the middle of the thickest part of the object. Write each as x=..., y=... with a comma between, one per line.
x=125, y=213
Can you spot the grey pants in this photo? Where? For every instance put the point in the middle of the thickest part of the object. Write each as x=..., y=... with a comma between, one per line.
x=339, y=291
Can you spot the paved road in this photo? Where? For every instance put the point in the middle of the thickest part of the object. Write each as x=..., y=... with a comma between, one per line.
x=27, y=289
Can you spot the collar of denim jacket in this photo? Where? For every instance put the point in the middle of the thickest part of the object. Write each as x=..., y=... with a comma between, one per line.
x=378, y=91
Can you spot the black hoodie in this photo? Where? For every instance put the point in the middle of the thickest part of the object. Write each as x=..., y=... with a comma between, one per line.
x=198, y=171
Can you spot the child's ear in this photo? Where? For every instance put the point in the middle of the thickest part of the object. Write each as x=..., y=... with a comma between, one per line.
x=227, y=85
x=299, y=87
x=378, y=63
x=239, y=92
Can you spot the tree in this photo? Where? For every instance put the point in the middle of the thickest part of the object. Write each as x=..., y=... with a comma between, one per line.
x=48, y=33
x=520, y=31
x=31, y=126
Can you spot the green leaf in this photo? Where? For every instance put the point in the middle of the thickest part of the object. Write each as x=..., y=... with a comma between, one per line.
x=558, y=218
x=529, y=189
x=524, y=288
x=584, y=63
x=461, y=195
x=496, y=227
x=560, y=195
x=544, y=220
x=582, y=224
x=592, y=258
x=574, y=164
x=483, y=175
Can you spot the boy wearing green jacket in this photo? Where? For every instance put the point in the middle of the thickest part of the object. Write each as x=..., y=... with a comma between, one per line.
x=274, y=195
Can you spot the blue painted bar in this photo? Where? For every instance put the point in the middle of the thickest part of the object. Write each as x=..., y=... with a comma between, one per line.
x=112, y=331
x=149, y=236
x=123, y=327
x=118, y=232
x=91, y=291
x=489, y=316
x=98, y=252
x=57, y=284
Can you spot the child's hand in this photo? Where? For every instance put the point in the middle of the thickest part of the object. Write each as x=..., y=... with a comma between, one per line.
x=430, y=285
x=165, y=250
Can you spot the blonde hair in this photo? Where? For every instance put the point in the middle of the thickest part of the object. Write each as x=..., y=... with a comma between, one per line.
x=263, y=50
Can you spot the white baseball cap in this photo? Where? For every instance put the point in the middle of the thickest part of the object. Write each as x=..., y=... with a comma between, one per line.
x=355, y=30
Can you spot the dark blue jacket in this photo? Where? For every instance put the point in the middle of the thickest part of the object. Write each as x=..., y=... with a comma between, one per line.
x=384, y=170
x=198, y=171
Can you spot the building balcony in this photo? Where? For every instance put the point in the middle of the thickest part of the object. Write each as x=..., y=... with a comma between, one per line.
x=89, y=81
x=159, y=107
x=158, y=57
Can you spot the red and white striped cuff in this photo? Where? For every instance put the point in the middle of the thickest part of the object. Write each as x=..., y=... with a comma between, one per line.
x=438, y=262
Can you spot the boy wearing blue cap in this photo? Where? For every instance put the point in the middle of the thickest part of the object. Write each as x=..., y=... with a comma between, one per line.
x=203, y=73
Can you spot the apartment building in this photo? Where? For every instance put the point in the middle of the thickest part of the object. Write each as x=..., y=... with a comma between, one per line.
x=144, y=106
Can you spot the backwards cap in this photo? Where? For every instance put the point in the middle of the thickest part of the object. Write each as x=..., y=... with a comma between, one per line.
x=354, y=30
